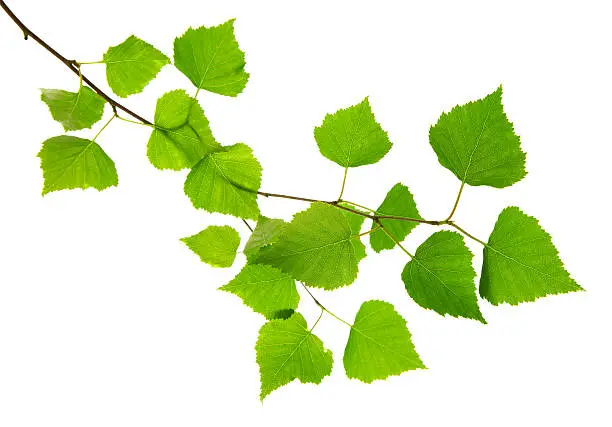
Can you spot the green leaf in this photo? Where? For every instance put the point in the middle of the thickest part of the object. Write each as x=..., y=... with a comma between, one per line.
x=521, y=263
x=477, y=143
x=212, y=59
x=315, y=248
x=215, y=245
x=399, y=202
x=131, y=65
x=265, y=234
x=226, y=182
x=351, y=137
x=440, y=277
x=75, y=111
x=356, y=223
x=379, y=344
x=288, y=350
x=182, y=135
x=69, y=162
x=265, y=289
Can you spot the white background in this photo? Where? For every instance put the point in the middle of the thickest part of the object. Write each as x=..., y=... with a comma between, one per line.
x=106, y=319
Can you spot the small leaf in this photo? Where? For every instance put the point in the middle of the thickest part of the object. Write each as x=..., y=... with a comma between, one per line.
x=521, y=263
x=75, y=111
x=182, y=134
x=477, y=143
x=379, y=344
x=69, y=162
x=399, y=202
x=315, y=248
x=212, y=59
x=441, y=277
x=265, y=289
x=288, y=350
x=351, y=137
x=215, y=245
x=226, y=182
x=266, y=233
x=131, y=65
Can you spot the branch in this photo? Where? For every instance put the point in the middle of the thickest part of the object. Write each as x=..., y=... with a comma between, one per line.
x=71, y=64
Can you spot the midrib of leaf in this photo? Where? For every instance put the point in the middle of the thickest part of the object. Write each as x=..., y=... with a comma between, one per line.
x=434, y=275
x=134, y=60
x=308, y=334
x=484, y=126
x=209, y=62
x=379, y=344
x=316, y=248
x=233, y=185
x=78, y=97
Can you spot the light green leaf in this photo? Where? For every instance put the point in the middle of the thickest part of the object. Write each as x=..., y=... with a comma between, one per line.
x=356, y=223
x=399, y=202
x=215, y=245
x=477, y=143
x=351, y=137
x=265, y=289
x=131, y=65
x=441, y=277
x=315, y=248
x=226, y=182
x=379, y=344
x=212, y=59
x=288, y=350
x=521, y=263
x=266, y=233
x=75, y=111
x=70, y=162
x=182, y=135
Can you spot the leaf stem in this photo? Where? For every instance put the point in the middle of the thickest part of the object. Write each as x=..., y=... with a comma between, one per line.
x=247, y=224
x=104, y=127
x=395, y=240
x=452, y=224
x=343, y=184
x=358, y=205
x=368, y=232
x=450, y=216
x=315, y=323
x=323, y=309
x=71, y=64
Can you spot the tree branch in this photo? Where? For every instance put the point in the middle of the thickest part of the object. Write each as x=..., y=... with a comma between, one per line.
x=71, y=64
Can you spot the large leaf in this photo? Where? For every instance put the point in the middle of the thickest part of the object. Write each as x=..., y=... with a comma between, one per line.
x=215, y=245
x=441, y=277
x=315, y=248
x=70, y=162
x=226, y=182
x=399, y=202
x=379, y=344
x=266, y=233
x=477, y=143
x=521, y=263
x=212, y=59
x=131, y=65
x=352, y=137
x=182, y=134
x=288, y=350
x=75, y=111
x=265, y=289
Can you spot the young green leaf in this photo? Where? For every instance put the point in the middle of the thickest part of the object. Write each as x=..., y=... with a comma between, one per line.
x=75, y=111
x=315, y=248
x=182, y=134
x=226, y=182
x=440, y=277
x=212, y=59
x=288, y=350
x=215, y=245
x=352, y=137
x=265, y=289
x=69, y=162
x=131, y=65
x=399, y=202
x=477, y=143
x=521, y=263
x=265, y=234
x=379, y=344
